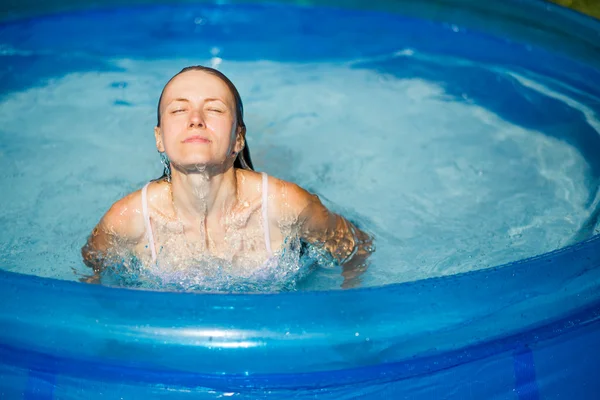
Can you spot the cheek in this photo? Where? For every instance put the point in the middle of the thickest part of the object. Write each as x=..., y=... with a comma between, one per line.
x=223, y=127
x=170, y=129
x=169, y=139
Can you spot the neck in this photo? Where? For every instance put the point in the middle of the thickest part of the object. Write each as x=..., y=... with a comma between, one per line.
x=204, y=193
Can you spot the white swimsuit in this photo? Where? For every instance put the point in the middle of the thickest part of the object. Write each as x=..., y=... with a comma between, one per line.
x=265, y=219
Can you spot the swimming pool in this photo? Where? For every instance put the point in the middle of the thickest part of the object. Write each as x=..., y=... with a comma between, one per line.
x=524, y=330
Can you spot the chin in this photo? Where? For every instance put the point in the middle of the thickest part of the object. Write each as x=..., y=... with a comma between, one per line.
x=200, y=164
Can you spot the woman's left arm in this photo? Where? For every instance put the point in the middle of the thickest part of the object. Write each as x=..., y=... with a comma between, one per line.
x=349, y=245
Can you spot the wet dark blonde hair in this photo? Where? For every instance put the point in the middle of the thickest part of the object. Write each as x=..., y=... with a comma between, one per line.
x=243, y=159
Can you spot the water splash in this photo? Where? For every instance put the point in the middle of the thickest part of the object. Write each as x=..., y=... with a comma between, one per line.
x=282, y=272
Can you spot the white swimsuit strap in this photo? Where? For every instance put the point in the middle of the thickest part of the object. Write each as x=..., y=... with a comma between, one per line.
x=149, y=234
x=265, y=214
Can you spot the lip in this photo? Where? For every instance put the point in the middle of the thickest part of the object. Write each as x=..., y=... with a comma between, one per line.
x=196, y=139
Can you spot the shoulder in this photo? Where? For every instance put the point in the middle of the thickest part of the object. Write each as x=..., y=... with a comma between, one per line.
x=293, y=196
x=287, y=200
x=125, y=218
x=122, y=224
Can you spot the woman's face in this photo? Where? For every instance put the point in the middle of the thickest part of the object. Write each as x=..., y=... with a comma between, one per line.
x=198, y=126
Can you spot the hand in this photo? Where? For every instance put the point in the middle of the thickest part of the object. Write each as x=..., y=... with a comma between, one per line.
x=94, y=279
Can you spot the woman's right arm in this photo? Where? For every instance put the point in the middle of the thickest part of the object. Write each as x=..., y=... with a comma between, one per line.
x=119, y=229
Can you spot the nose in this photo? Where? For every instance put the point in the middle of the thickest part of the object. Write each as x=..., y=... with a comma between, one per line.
x=196, y=120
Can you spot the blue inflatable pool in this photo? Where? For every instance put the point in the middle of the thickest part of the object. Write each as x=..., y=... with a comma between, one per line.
x=524, y=330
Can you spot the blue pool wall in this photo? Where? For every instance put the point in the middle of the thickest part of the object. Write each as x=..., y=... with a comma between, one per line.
x=526, y=327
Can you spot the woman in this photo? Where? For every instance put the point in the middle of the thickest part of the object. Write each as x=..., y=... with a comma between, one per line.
x=210, y=203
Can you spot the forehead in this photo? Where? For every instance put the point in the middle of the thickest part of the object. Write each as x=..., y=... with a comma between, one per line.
x=196, y=85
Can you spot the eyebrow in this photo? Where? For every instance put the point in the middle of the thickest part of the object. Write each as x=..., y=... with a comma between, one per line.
x=205, y=100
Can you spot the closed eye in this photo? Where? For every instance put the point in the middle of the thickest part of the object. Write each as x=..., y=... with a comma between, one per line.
x=179, y=110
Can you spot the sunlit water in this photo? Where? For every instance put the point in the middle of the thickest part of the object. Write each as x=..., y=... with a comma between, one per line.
x=452, y=163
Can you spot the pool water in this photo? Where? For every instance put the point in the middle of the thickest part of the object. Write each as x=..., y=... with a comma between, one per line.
x=454, y=157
